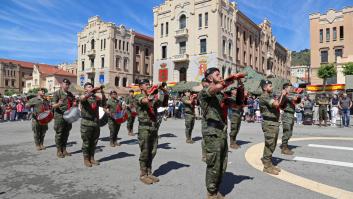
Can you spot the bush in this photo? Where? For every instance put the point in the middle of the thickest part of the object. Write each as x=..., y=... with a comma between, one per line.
x=348, y=69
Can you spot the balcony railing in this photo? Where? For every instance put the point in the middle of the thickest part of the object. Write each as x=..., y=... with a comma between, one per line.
x=181, y=58
x=181, y=33
x=91, y=53
x=90, y=70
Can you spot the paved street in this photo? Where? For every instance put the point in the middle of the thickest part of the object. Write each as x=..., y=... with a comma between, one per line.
x=26, y=173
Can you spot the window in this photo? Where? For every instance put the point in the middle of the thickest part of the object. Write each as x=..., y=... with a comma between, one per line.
x=200, y=20
x=250, y=38
x=238, y=57
x=250, y=60
x=124, y=81
x=321, y=35
x=83, y=65
x=119, y=44
x=127, y=46
x=81, y=49
x=92, y=44
x=238, y=32
x=245, y=57
x=102, y=62
x=146, y=52
x=92, y=63
x=117, y=62
x=115, y=43
x=203, y=46
x=334, y=30
x=221, y=20
x=182, y=47
x=324, y=56
x=123, y=45
x=117, y=79
x=6, y=82
x=341, y=32
x=244, y=36
x=104, y=43
x=166, y=28
x=101, y=44
x=146, y=69
x=13, y=82
x=137, y=50
x=206, y=19
x=85, y=48
x=327, y=34
x=164, y=52
x=125, y=64
x=162, y=28
x=230, y=49
x=224, y=47
x=182, y=22
x=338, y=53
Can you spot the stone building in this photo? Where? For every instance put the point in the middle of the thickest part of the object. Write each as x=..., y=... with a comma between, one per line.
x=192, y=35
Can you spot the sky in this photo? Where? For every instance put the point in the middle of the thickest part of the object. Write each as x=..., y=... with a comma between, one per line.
x=45, y=31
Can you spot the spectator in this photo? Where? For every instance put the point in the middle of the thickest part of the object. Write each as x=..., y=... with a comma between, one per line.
x=334, y=110
x=345, y=104
x=19, y=109
x=299, y=113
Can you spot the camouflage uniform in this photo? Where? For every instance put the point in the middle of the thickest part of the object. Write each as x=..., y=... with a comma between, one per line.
x=90, y=128
x=235, y=120
x=114, y=127
x=61, y=127
x=287, y=121
x=189, y=117
x=270, y=127
x=147, y=131
x=215, y=138
x=39, y=105
x=130, y=101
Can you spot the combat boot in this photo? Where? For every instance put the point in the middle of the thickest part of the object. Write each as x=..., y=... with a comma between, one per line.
x=233, y=144
x=151, y=176
x=112, y=144
x=42, y=146
x=220, y=196
x=212, y=196
x=116, y=143
x=131, y=133
x=86, y=161
x=93, y=161
x=276, y=168
x=144, y=178
x=286, y=151
x=38, y=147
x=65, y=153
x=269, y=168
x=189, y=140
x=59, y=153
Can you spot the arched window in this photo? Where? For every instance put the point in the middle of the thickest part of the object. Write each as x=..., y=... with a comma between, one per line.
x=92, y=44
x=124, y=82
x=182, y=22
x=117, y=79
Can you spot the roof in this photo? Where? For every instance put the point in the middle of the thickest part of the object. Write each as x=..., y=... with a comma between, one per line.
x=142, y=36
x=45, y=69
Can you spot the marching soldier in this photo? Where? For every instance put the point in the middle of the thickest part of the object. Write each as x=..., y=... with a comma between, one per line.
x=62, y=101
x=147, y=104
x=39, y=105
x=189, y=102
x=288, y=120
x=322, y=100
x=235, y=119
x=269, y=108
x=204, y=84
x=131, y=105
x=112, y=107
x=90, y=128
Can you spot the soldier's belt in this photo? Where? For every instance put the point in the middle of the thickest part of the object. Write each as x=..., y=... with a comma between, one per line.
x=291, y=112
x=90, y=119
x=215, y=124
x=145, y=123
x=270, y=119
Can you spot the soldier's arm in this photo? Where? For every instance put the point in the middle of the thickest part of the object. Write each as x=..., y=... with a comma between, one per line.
x=185, y=100
x=56, y=101
x=106, y=108
x=213, y=89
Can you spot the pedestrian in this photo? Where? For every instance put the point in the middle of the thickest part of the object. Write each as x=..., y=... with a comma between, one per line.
x=131, y=111
x=90, y=129
x=1, y=108
x=189, y=101
x=13, y=105
x=62, y=101
x=299, y=113
x=39, y=105
x=269, y=108
x=19, y=109
x=334, y=110
x=113, y=106
x=345, y=104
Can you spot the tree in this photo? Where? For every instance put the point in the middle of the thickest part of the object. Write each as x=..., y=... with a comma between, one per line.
x=10, y=92
x=301, y=58
x=35, y=90
x=348, y=69
x=326, y=71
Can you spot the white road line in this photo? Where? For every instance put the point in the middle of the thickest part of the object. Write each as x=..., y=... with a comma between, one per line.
x=331, y=147
x=322, y=161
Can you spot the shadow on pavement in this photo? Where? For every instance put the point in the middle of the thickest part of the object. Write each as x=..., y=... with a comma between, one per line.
x=98, y=149
x=130, y=142
x=230, y=180
x=69, y=144
x=169, y=166
x=241, y=142
x=164, y=146
x=276, y=160
x=195, y=139
x=167, y=135
x=106, y=139
x=116, y=156
x=292, y=147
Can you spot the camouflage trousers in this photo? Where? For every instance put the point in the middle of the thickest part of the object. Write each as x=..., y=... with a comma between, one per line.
x=62, y=131
x=38, y=132
x=130, y=122
x=89, y=135
x=235, y=122
x=189, y=124
x=288, y=123
x=114, y=129
x=271, y=130
x=148, y=141
x=216, y=148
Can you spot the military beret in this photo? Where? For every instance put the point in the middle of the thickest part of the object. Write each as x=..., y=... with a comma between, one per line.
x=264, y=82
x=43, y=89
x=113, y=92
x=143, y=81
x=209, y=71
x=66, y=81
x=285, y=85
x=88, y=83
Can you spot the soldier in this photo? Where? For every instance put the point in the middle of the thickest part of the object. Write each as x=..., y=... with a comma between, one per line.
x=39, y=104
x=112, y=107
x=215, y=134
x=322, y=100
x=288, y=119
x=189, y=103
x=147, y=104
x=90, y=128
x=131, y=106
x=204, y=84
x=235, y=119
x=269, y=108
x=62, y=101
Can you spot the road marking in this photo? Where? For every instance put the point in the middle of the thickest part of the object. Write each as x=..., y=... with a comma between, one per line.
x=253, y=157
x=322, y=161
x=331, y=147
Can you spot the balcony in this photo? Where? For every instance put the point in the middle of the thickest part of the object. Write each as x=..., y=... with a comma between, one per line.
x=181, y=33
x=181, y=58
x=91, y=53
x=90, y=70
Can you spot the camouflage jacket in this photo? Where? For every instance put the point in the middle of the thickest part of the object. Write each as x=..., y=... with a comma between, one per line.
x=210, y=105
x=268, y=111
x=112, y=104
x=90, y=110
x=68, y=99
x=148, y=113
x=189, y=108
x=39, y=105
x=130, y=101
x=290, y=107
